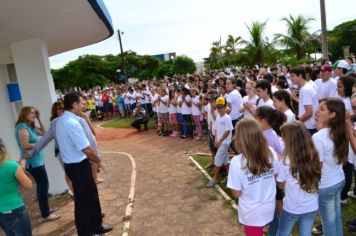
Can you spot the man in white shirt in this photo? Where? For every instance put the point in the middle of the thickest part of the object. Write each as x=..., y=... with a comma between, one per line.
x=326, y=87
x=76, y=152
x=308, y=101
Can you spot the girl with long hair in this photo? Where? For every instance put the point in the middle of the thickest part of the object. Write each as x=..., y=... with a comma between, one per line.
x=252, y=177
x=299, y=175
x=271, y=120
x=344, y=89
x=332, y=145
x=282, y=102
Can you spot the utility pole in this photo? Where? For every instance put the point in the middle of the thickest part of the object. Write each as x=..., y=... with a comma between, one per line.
x=324, y=37
x=122, y=56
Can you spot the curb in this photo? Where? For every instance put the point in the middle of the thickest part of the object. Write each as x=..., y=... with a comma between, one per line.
x=130, y=199
x=220, y=190
x=100, y=125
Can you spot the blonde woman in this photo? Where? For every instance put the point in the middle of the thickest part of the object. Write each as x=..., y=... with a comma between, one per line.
x=14, y=219
x=26, y=134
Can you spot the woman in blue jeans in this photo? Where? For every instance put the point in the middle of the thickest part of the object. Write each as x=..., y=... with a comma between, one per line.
x=26, y=134
x=299, y=175
x=332, y=145
x=14, y=219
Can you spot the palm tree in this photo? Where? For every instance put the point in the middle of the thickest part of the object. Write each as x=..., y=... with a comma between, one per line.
x=297, y=37
x=231, y=43
x=256, y=47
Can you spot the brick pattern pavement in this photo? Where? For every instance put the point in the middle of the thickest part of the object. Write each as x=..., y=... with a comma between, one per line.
x=170, y=194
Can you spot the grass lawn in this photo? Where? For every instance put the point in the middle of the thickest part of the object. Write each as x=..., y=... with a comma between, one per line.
x=348, y=211
x=124, y=123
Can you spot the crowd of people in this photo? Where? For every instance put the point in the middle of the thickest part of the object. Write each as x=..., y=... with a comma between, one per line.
x=291, y=131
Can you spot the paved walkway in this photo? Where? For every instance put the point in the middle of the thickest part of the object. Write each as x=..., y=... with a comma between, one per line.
x=170, y=194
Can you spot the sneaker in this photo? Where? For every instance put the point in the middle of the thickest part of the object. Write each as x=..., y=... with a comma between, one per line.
x=351, y=223
x=351, y=194
x=51, y=217
x=343, y=202
x=52, y=210
x=198, y=138
x=318, y=230
x=211, y=183
x=174, y=135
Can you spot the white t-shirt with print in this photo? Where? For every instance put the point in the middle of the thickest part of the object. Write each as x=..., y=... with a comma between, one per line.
x=195, y=109
x=257, y=201
x=154, y=98
x=331, y=172
x=172, y=109
x=235, y=99
x=222, y=124
x=252, y=102
x=131, y=97
x=163, y=108
x=308, y=96
x=296, y=200
x=185, y=109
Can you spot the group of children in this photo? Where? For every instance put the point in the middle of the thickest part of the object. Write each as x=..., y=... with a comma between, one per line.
x=290, y=127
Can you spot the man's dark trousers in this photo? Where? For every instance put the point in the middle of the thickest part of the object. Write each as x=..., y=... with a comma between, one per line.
x=87, y=212
x=138, y=122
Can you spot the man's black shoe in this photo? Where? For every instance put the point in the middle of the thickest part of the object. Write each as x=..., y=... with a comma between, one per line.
x=104, y=229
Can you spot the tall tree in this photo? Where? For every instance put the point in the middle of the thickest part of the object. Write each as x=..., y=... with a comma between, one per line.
x=231, y=44
x=257, y=45
x=342, y=35
x=298, y=37
x=183, y=65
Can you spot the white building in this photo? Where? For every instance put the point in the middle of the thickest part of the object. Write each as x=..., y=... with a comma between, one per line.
x=30, y=32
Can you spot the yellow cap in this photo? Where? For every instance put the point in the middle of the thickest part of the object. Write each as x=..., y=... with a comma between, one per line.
x=220, y=102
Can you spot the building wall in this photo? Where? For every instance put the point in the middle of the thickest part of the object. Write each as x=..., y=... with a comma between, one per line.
x=8, y=116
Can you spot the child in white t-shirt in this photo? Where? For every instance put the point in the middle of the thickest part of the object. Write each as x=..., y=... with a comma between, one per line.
x=163, y=102
x=282, y=102
x=222, y=135
x=173, y=114
x=299, y=175
x=196, y=113
x=252, y=177
x=250, y=98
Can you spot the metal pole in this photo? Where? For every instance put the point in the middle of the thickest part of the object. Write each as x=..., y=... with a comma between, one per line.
x=122, y=57
x=324, y=38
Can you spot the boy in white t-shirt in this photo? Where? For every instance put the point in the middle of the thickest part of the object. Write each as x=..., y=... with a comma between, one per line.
x=223, y=132
x=308, y=100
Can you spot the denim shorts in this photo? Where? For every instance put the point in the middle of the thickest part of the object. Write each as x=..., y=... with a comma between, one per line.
x=222, y=155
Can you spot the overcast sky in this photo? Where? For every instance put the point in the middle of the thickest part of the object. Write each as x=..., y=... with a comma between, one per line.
x=190, y=26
